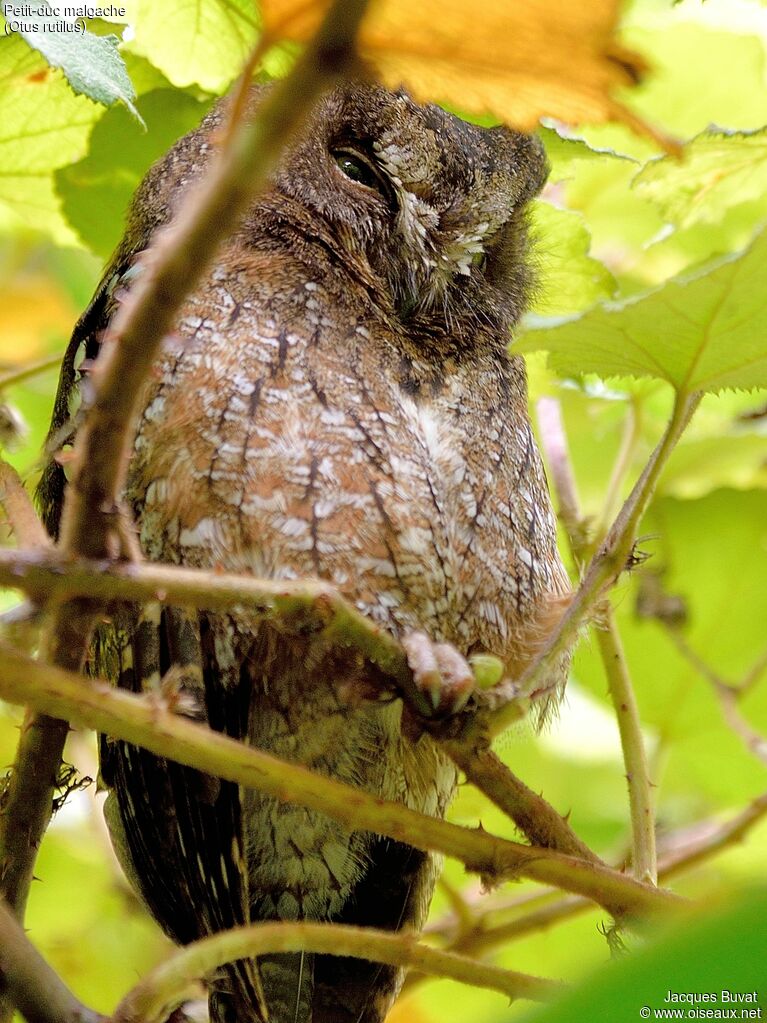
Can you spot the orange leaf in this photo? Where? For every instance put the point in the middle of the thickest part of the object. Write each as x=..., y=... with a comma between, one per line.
x=517, y=59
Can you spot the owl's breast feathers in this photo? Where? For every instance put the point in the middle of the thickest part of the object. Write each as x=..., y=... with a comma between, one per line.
x=287, y=433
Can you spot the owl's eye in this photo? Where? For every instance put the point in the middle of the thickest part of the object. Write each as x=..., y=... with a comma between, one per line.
x=359, y=169
x=479, y=260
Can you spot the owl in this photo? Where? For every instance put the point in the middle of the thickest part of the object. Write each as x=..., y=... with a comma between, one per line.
x=337, y=401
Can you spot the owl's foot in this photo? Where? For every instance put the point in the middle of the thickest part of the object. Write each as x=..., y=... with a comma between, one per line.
x=440, y=673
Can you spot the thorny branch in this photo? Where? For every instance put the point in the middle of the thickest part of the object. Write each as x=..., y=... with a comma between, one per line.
x=602, y=572
x=536, y=818
x=644, y=860
x=303, y=605
x=484, y=924
x=34, y=988
x=42, y=997
x=149, y=723
x=28, y=794
x=148, y=1001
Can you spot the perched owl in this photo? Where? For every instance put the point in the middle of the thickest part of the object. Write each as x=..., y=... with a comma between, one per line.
x=337, y=401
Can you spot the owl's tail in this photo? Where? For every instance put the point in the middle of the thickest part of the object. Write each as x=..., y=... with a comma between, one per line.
x=236, y=995
x=287, y=988
x=288, y=981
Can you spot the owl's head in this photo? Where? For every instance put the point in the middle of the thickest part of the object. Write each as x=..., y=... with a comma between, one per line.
x=427, y=210
x=434, y=206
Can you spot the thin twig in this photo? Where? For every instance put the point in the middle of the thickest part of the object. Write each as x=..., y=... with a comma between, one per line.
x=754, y=673
x=22, y=517
x=641, y=803
x=644, y=859
x=632, y=432
x=32, y=986
x=716, y=838
x=754, y=742
x=482, y=906
x=150, y=724
x=560, y=466
x=150, y=1000
x=463, y=910
x=237, y=101
x=21, y=373
x=564, y=908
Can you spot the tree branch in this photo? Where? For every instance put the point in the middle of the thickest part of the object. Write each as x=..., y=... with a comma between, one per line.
x=19, y=374
x=150, y=724
x=23, y=519
x=536, y=818
x=641, y=804
x=632, y=433
x=549, y=909
x=554, y=440
x=28, y=793
x=150, y=1000
x=50, y=576
x=35, y=989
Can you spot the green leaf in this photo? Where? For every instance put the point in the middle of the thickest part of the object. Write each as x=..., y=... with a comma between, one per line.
x=567, y=155
x=118, y=157
x=621, y=222
x=706, y=332
x=570, y=279
x=697, y=466
x=719, y=170
x=92, y=63
x=721, y=952
x=43, y=125
x=202, y=42
x=700, y=74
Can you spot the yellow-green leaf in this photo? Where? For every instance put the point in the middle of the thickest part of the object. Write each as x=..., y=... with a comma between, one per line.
x=700, y=333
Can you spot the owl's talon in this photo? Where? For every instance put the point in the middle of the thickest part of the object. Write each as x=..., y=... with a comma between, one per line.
x=440, y=672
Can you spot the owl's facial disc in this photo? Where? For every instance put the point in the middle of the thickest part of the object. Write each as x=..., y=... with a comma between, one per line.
x=428, y=208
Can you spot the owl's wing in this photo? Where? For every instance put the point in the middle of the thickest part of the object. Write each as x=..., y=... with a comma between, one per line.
x=179, y=830
x=82, y=349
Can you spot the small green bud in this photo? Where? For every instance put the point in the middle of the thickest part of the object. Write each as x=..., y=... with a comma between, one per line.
x=488, y=670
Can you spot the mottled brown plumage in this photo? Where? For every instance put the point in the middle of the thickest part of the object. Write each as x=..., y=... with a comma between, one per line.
x=337, y=401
